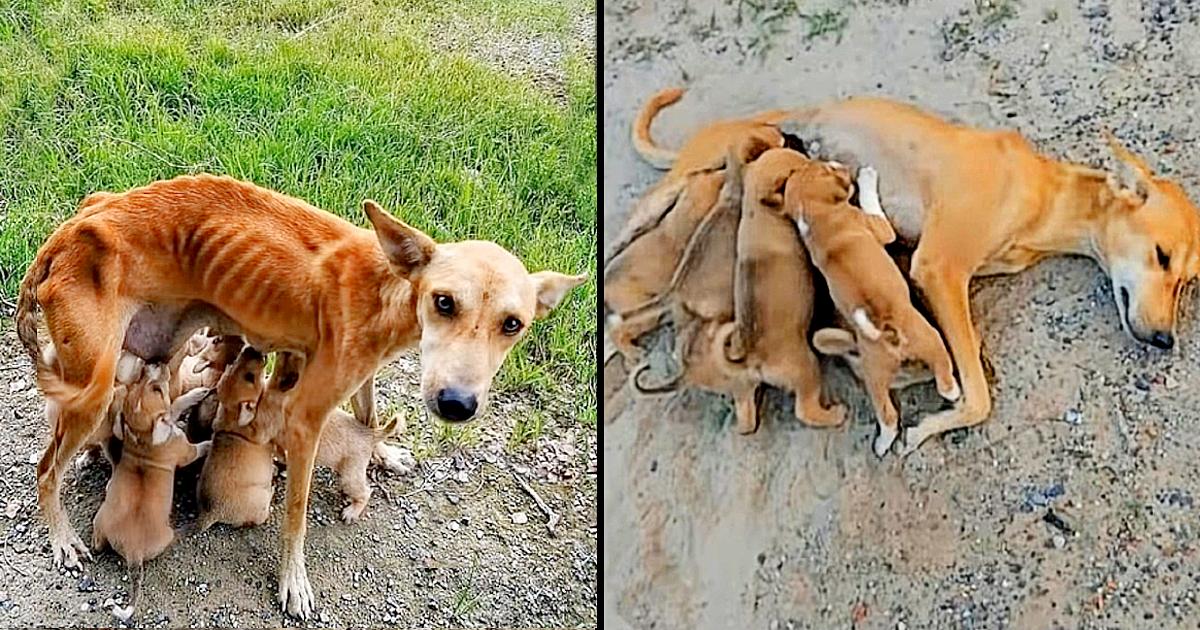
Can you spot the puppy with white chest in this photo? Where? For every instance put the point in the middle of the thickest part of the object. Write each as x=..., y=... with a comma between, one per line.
x=867, y=288
x=135, y=517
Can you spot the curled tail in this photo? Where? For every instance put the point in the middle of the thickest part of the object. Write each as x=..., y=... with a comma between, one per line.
x=126, y=613
x=657, y=156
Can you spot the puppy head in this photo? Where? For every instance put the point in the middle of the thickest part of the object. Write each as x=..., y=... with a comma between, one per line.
x=837, y=342
x=145, y=414
x=1150, y=248
x=240, y=387
x=219, y=352
x=475, y=301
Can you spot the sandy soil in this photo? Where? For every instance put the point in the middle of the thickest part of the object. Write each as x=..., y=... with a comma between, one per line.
x=456, y=543
x=1073, y=506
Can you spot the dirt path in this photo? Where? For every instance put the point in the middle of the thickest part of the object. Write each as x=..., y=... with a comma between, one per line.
x=456, y=543
x=794, y=528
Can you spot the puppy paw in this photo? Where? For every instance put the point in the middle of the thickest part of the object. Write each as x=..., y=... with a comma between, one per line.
x=353, y=511
x=868, y=176
x=395, y=458
x=885, y=439
x=952, y=394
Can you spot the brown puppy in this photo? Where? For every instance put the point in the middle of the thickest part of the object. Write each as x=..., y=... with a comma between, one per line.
x=235, y=485
x=701, y=298
x=867, y=288
x=118, y=276
x=774, y=291
x=135, y=517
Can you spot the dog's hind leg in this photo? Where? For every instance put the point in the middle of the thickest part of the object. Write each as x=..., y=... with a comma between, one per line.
x=803, y=377
x=926, y=345
x=352, y=475
x=948, y=297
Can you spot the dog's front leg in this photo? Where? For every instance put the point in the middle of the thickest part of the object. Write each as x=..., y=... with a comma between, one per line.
x=947, y=292
x=312, y=400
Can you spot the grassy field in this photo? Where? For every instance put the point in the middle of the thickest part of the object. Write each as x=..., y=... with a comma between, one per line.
x=328, y=101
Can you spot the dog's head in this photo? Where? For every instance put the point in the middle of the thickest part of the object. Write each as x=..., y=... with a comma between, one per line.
x=218, y=353
x=474, y=302
x=145, y=409
x=838, y=342
x=240, y=388
x=827, y=183
x=1150, y=248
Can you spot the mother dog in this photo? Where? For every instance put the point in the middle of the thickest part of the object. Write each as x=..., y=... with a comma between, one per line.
x=142, y=270
x=981, y=203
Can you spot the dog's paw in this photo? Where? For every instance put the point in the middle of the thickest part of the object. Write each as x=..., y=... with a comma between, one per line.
x=952, y=394
x=295, y=592
x=885, y=439
x=68, y=548
x=395, y=458
x=867, y=176
x=353, y=511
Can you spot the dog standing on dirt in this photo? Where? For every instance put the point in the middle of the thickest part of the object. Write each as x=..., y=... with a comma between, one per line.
x=979, y=202
x=846, y=245
x=241, y=259
x=135, y=517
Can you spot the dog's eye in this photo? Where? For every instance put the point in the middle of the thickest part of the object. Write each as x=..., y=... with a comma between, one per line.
x=444, y=304
x=512, y=325
x=1164, y=259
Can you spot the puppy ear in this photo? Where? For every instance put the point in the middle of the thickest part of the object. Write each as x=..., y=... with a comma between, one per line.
x=406, y=247
x=835, y=342
x=245, y=413
x=551, y=288
x=1134, y=177
x=200, y=366
x=162, y=431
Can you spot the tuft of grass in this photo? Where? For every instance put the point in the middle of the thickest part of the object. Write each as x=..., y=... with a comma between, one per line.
x=465, y=603
x=331, y=102
x=527, y=429
x=773, y=18
x=450, y=437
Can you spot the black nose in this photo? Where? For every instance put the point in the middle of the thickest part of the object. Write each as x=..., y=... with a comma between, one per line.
x=1162, y=340
x=455, y=405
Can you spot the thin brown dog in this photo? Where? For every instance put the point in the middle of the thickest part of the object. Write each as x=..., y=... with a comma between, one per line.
x=981, y=202
x=287, y=276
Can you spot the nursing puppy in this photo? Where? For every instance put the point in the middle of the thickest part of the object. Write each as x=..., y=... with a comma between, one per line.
x=204, y=367
x=135, y=517
x=235, y=485
x=867, y=288
x=774, y=293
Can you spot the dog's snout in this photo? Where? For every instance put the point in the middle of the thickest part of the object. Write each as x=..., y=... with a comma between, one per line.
x=456, y=405
x=1164, y=340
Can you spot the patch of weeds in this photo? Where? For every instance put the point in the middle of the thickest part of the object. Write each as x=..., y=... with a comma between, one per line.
x=450, y=437
x=972, y=25
x=465, y=603
x=993, y=12
x=527, y=429
x=771, y=19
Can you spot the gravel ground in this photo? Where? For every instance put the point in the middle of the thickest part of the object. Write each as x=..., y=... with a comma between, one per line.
x=1074, y=506
x=456, y=543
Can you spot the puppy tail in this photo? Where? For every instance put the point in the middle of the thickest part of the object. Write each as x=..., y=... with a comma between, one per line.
x=126, y=614
x=27, y=307
x=635, y=380
x=658, y=157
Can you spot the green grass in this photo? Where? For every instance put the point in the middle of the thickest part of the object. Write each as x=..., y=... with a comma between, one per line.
x=329, y=101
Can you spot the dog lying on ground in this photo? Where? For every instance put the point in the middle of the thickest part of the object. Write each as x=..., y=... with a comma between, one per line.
x=981, y=202
x=241, y=259
x=135, y=517
x=774, y=293
x=846, y=245
x=235, y=485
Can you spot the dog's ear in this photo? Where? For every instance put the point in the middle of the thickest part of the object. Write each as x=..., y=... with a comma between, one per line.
x=405, y=246
x=245, y=413
x=162, y=431
x=1134, y=176
x=551, y=288
x=835, y=342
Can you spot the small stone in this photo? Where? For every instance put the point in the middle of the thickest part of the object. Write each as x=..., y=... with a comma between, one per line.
x=453, y=498
x=16, y=386
x=519, y=518
x=1059, y=541
x=454, y=526
x=33, y=457
x=1073, y=417
x=87, y=584
x=12, y=508
x=324, y=617
x=1171, y=382
x=900, y=625
x=84, y=607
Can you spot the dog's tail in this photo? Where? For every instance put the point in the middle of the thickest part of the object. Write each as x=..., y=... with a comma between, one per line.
x=671, y=385
x=68, y=396
x=657, y=156
x=125, y=614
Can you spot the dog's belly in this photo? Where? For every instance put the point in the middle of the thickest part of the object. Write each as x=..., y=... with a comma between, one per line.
x=158, y=331
x=900, y=191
